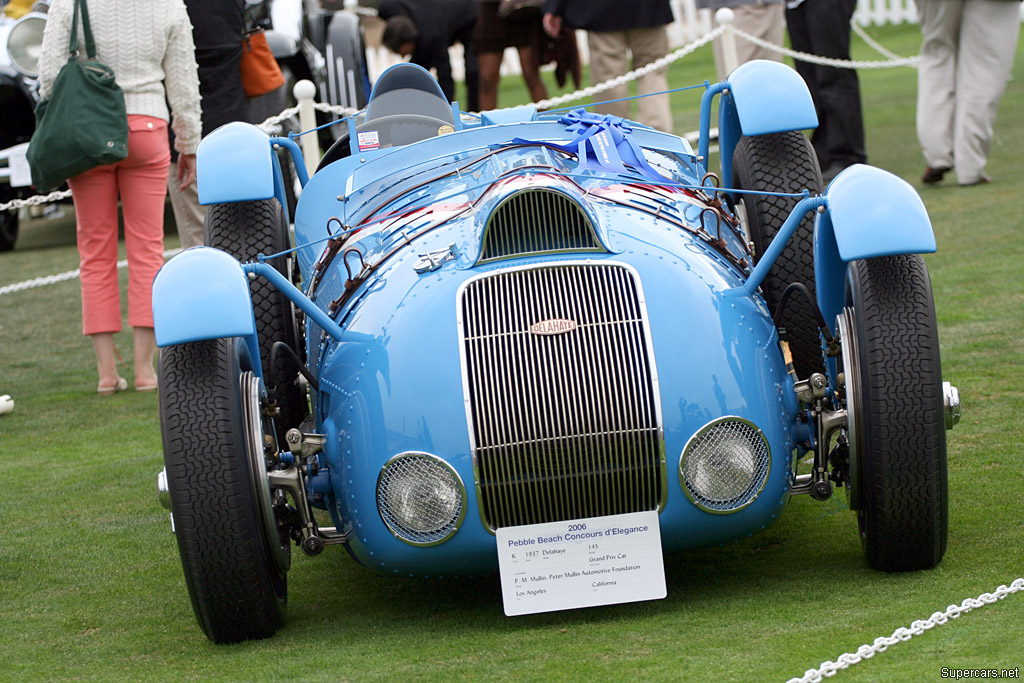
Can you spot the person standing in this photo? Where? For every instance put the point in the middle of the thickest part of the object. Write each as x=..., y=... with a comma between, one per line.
x=423, y=30
x=148, y=44
x=217, y=27
x=966, y=56
x=615, y=28
x=822, y=28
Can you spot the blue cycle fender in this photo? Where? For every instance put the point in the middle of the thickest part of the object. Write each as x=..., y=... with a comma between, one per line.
x=235, y=163
x=869, y=212
x=202, y=294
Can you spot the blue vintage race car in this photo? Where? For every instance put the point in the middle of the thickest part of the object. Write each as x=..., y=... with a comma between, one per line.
x=518, y=318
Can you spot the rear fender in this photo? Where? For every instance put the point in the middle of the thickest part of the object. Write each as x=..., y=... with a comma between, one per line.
x=869, y=212
x=759, y=97
x=203, y=293
x=236, y=163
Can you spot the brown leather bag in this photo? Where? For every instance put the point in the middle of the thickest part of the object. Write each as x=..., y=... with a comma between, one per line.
x=260, y=72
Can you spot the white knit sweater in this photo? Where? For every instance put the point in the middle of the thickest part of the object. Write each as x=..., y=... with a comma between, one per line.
x=148, y=44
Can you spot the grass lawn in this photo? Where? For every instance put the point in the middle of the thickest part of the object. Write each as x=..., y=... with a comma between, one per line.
x=91, y=587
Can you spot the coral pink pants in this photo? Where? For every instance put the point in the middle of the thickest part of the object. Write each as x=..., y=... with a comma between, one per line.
x=141, y=181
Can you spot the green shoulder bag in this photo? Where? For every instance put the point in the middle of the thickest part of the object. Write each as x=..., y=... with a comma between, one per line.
x=83, y=124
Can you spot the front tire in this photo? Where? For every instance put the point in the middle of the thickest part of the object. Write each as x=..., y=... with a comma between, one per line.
x=786, y=163
x=235, y=568
x=246, y=230
x=898, y=472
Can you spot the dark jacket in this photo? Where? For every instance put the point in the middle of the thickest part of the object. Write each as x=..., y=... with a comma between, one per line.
x=611, y=15
x=439, y=23
x=217, y=27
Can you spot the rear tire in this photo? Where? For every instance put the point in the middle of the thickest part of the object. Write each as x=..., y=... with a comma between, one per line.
x=895, y=401
x=245, y=230
x=783, y=162
x=236, y=579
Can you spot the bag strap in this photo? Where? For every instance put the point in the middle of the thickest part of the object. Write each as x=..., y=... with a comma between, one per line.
x=90, y=44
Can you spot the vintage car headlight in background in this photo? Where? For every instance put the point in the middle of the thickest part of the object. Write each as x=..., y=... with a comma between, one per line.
x=421, y=498
x=25, y=42
x=725, y=465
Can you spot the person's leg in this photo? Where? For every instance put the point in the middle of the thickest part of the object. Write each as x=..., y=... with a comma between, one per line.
x=142, y=178
x=839, y=139
x=763, y=20
x=472, y=68
x=489, y=47
x=988, y=41
x=799, y=28
x=189, y=214
x=649, y=45
x=936, y=83
x=95, y=197
x=608, y=60
x=490, y=77
x=531, y=72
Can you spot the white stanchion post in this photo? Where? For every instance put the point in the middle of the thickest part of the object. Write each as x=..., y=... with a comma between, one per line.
x=304, y=92
x=725, y=17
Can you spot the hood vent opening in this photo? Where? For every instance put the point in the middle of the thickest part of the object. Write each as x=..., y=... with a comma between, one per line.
x=537, y=222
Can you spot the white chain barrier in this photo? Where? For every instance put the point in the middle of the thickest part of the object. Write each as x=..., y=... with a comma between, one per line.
x=903, y=634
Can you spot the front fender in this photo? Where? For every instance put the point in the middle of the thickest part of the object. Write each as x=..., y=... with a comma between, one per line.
x=203, y=293
x=868, y=212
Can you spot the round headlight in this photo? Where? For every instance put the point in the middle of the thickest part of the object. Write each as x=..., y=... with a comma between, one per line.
x=24, y=43
x=421, y=498
x=725, y=465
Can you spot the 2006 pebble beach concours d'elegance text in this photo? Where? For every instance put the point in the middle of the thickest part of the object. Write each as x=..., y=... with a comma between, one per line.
x=547, y=345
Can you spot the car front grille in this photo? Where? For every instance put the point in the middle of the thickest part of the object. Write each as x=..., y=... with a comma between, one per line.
x=565, y=419
x=534, y=222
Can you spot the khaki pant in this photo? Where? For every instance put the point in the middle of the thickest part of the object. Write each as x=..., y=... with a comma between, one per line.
x=609, y=58
x=189, y=215
x=763, y=20
x=966, y=57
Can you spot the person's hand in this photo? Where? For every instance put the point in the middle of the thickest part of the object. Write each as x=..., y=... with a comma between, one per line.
x=186, y=170
x=552, y=24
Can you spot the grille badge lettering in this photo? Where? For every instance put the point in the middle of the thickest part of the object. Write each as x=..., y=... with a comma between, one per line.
x=553, y=326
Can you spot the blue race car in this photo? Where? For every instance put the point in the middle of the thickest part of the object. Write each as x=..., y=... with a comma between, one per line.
x=497, y=322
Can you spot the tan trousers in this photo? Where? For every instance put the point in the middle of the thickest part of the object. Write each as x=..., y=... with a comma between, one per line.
x=609, y=58
x=765, y=21
x=189, y=215
x=966, y=57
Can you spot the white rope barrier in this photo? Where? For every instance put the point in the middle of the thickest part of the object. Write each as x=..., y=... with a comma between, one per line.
x=61, y=277
x=903, y=634
x=828, y=61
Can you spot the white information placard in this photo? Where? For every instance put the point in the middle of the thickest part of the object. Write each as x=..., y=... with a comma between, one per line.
x=581, y=563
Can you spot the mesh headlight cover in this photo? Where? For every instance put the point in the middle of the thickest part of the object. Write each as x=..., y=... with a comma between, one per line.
x=420, y=497
x=725, y=465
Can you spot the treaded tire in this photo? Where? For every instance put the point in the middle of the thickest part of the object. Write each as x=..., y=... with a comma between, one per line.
x=236, y=591
x=783, y=162
x=901, y=437
x=245, y=230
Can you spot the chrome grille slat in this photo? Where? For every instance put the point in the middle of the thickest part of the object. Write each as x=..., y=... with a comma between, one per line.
x=564, y=426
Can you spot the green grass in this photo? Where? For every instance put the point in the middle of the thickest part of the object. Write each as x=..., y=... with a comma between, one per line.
x=91, y=588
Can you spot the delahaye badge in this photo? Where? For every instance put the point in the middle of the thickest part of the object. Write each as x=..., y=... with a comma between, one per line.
x=553, y=326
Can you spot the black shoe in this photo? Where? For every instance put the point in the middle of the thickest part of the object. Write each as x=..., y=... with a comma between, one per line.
x=934, y=175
